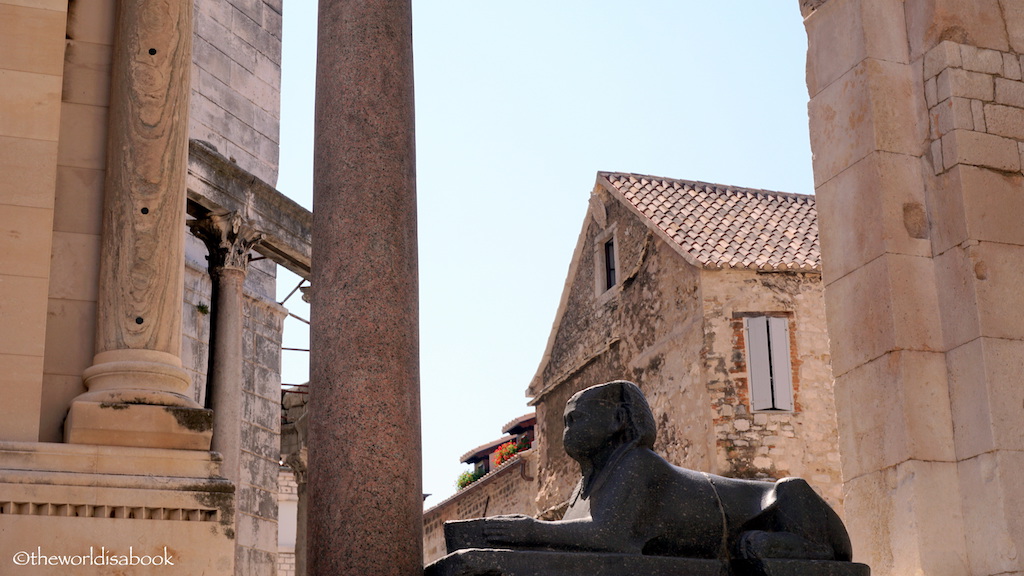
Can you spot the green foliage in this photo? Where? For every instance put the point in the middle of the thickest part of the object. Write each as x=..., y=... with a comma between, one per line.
x=468, y=477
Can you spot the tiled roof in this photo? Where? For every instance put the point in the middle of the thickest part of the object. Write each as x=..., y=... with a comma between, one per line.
x=725, y=226
x=484, y=450
x=523, y=422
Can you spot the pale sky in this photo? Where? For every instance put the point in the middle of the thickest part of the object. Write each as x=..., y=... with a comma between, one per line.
x=518, y=105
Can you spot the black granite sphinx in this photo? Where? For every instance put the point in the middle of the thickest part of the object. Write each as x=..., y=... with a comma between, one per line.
x=634, y=513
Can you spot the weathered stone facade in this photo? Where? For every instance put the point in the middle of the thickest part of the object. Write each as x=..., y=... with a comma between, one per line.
x=236, y=82
x=676, y=329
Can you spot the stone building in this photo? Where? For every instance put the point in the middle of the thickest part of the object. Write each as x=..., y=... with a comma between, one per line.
x=120, y=326
x=710, y=298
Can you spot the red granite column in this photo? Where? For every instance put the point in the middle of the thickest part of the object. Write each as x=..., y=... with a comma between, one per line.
x=365, y=512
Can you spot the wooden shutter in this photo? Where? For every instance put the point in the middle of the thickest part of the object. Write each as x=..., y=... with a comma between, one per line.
x=782, y=370
x=758, y=363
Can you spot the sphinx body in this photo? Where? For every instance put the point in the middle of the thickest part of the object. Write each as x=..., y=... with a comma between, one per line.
x=630, y=500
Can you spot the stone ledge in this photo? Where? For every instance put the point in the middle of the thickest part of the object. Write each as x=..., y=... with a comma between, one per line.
x=49, y=458
x=481, y=562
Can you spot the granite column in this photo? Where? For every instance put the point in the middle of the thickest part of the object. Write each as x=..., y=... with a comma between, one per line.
x=136, y=384
x=365, y=487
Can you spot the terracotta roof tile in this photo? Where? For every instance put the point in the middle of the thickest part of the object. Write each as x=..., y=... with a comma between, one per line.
x=726, y=226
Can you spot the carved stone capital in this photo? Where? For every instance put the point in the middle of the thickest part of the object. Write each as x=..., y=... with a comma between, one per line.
x=228, y=237
x=297, y=462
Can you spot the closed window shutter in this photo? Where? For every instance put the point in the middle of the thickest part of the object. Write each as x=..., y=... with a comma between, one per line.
x=758, y=363
x=782, y=371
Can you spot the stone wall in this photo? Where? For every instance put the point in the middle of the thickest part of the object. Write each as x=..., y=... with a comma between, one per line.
x=69, y=321
x=287, y=498
x=235, y=106
x=510, y=489
x=236, y=82
x=771, y=444
x=915, y=117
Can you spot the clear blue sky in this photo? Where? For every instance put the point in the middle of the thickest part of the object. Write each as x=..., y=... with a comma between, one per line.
x=518, y=106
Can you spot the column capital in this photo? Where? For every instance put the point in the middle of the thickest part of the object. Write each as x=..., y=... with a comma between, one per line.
x=228, y=237
x=297, y=461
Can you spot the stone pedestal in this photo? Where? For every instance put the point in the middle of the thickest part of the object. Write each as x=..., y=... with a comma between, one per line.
x=136, y=379
x=490, y=562
x=111, y=501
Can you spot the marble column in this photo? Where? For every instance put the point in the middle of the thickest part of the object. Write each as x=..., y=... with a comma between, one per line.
x=136, y=385
x=229, y=239
x=365, y=486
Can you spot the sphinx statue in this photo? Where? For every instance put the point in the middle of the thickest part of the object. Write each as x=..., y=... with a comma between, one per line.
x=636, y=510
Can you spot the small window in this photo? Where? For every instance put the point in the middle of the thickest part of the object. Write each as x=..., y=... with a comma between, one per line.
x=606, y=264
x=609, y=264
x=768, y=365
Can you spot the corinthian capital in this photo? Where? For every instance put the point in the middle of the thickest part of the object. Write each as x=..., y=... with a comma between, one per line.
x=228, y=237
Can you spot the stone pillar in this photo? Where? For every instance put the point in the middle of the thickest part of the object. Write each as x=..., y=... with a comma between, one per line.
x=297, y=462
x=229, y=240
x=364, y=432
x=916, y=114
x=136, y=384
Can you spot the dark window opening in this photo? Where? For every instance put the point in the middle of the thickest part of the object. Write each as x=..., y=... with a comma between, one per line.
x=609, y=264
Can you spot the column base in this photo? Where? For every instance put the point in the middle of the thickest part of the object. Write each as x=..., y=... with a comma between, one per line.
x=138, y=425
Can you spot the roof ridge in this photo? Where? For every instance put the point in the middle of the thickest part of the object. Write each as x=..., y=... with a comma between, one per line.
x=695, y=183
x=724, y=226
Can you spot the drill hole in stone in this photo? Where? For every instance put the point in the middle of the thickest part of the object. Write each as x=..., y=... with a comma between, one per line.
x=152, y=51
x=139, y=320
x=145, y=210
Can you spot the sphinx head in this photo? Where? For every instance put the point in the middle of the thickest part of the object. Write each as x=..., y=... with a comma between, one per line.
x=607, y=416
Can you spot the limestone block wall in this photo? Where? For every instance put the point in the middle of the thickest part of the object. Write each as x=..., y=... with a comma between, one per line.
x=55, y=94
x=915, y=125
x=510, y=489
x=31, y=76
x=261, y=445
x=78, y=202
x=236, y=82
x=287, y=499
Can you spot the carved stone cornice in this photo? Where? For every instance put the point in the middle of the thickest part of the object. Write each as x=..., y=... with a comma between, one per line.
x=228, y=237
